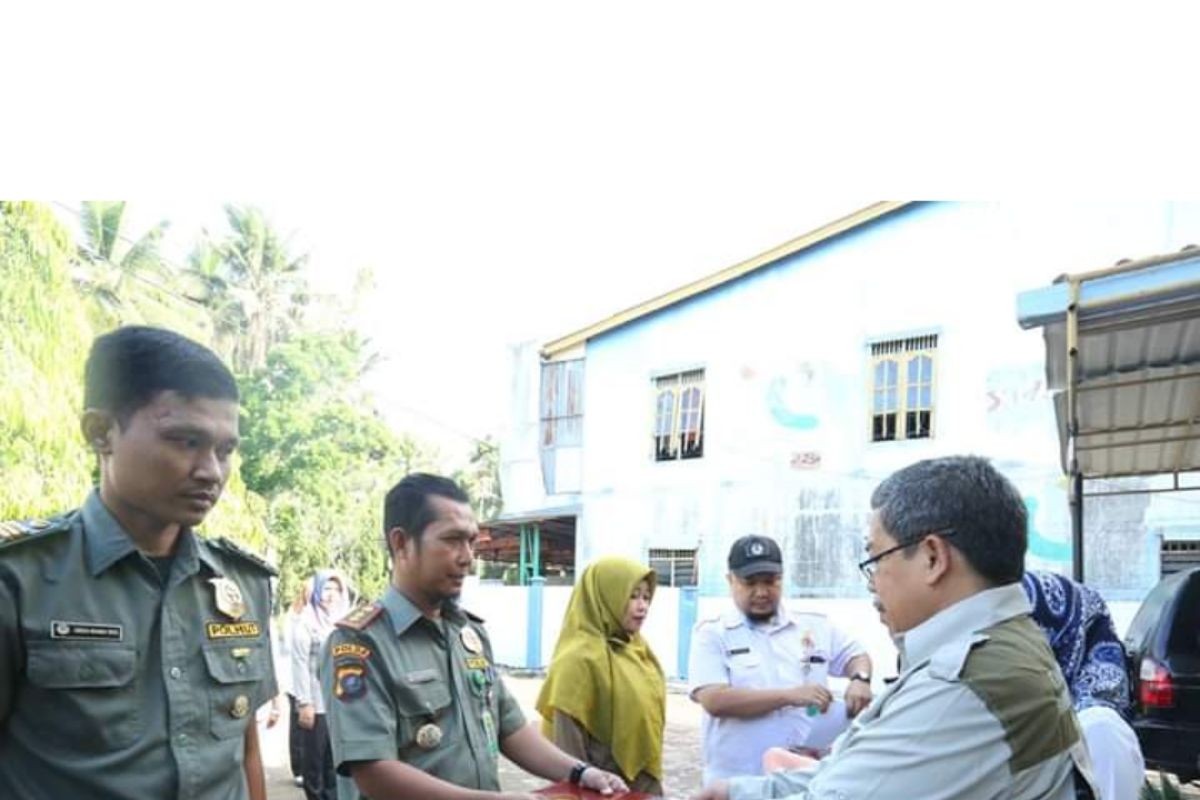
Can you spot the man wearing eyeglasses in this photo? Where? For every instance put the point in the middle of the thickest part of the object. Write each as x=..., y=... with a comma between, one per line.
x=980, y=709
x=759, y=670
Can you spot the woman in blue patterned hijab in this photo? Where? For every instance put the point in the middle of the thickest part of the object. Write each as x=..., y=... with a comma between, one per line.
x=1076, y=621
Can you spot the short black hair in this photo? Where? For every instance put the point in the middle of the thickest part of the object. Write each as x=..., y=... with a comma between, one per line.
x=129, y=366
x=965, y=494
x=407, y=504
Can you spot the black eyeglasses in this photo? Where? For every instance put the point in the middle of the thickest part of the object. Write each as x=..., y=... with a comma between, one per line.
x=870, y=566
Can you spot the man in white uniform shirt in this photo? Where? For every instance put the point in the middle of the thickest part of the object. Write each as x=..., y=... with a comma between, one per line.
x=760, y=670
x=980, y=709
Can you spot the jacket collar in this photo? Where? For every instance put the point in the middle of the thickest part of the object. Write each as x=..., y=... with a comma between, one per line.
x=964, y=618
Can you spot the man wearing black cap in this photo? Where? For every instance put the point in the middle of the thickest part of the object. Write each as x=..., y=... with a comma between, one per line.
x=759, y=670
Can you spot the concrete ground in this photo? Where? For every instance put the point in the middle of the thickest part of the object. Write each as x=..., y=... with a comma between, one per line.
x=681, y=754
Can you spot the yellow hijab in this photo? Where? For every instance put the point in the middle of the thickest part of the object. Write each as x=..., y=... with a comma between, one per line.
x=602, y=676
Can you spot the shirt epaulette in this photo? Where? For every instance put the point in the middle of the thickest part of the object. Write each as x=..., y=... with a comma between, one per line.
x=226, y=546
x=473, y=617
x=361, y=617
x=15, y=531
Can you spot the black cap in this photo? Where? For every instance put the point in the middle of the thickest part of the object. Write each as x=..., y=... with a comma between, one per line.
x=755, y=555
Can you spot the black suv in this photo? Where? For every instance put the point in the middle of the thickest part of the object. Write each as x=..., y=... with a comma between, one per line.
x=1163, y=648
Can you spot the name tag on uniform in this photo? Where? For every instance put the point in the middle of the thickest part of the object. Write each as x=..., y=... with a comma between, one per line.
x=232, y=630
x=421, y=676
x=477, y=662
x=739, y=651
x=86, y=631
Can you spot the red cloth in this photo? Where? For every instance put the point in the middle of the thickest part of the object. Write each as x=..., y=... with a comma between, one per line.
x=569, y=791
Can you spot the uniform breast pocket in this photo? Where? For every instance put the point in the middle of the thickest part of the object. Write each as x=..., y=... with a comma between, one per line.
x=85, y=695
x=746, y=671
x=235, y=676
x=808, y=668
x=423, y=717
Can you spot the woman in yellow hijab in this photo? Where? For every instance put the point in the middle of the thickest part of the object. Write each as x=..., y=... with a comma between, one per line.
x=604, y=699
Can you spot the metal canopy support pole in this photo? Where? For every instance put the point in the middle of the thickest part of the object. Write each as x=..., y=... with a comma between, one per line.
x=1077, y=526
x=1076, y=486
x=521, y=571
x=536, y=546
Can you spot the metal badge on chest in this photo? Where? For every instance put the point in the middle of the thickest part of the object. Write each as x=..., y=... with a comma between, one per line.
x=228, y=598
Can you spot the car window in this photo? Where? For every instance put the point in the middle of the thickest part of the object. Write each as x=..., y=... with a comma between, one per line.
x=1185, y=629
x=1147, y=616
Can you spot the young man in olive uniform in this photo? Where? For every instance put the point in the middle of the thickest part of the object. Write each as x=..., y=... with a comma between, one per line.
x=415, y=707
x=133, y=653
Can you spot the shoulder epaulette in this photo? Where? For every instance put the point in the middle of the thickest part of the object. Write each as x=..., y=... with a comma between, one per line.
x=473, y=617
x=15, y=531
x=227, y=546
x=361, y=617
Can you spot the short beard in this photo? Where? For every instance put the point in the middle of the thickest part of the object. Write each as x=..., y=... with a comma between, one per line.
x=761, y=617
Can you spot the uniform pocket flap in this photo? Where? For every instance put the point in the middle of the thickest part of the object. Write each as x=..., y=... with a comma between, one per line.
x=238, y=664
x=747, y=661
x=58, y=665
x=423, y=699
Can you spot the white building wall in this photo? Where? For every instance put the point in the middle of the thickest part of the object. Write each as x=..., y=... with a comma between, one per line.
x=786, y=357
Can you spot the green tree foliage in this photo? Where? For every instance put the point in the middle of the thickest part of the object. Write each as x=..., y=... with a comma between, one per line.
x=322, y=459
x=316, y=459
x=205, y=281
x=125, y=279
x=44, y=336
x=481, y=479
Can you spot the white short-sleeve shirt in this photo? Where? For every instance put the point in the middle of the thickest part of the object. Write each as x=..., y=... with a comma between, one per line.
x=791, y=649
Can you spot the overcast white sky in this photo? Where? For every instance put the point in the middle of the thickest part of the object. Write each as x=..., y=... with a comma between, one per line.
x=517, y=170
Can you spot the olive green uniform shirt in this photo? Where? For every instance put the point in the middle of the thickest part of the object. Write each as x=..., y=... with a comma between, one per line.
x=114, y=685
x=400, y=686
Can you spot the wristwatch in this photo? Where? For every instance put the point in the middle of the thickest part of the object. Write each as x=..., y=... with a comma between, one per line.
x=861, y=676
x=577, y=772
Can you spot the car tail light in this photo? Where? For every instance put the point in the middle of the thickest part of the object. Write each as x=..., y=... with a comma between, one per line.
x=1156, y=689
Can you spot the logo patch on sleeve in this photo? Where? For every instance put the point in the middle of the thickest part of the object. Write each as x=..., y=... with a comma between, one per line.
x=350, y=681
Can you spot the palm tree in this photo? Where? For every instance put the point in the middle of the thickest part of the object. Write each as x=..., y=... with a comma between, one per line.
x=204, y=281
x=125, y=279
x=264, y=280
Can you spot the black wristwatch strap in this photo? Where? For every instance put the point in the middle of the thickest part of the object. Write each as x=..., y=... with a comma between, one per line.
x=577, y=772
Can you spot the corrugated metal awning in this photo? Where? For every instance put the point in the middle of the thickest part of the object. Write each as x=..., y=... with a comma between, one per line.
x=1137, y=374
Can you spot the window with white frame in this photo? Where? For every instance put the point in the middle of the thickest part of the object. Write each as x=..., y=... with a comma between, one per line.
x=902, y=382
x=674, y=567
x=679, y=416
x=561, y=417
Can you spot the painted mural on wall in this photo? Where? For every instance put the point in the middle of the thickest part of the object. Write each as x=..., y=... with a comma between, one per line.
x=797, y=408
x=795, y=397
x=1018, y=413
x=1052, y=553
